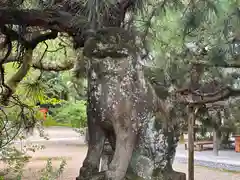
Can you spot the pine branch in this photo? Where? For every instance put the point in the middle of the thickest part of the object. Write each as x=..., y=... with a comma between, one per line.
x=60, y=21
x=222, y=65
x=188, y=96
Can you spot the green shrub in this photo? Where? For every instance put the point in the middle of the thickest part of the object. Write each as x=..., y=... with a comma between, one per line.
x=69, y=114
x=51, y=122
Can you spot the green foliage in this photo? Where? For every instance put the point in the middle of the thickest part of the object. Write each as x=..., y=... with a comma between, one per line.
x=176, y=37
x=73, y=113
x=50, y=173
x=199, y=23
x=14, y=158
x=33, y=90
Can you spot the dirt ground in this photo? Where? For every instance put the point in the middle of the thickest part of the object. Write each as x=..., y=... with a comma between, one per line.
x=74, y=155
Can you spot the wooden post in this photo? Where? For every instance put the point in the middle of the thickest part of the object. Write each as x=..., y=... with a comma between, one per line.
x=191, y=119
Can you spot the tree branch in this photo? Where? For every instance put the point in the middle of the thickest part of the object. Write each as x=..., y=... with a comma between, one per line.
x=13, y=82
x=22, y=71
x=13, y=35
x=53, y=67
x=60, y=21
x=223, y=65
x=186, y=96
x=45, y=66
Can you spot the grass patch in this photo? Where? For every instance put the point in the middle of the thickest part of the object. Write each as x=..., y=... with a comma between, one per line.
x=50, y=122
x=57, y=158
x=218, y=169
x=212, y=168
x=78, y=145
x=15, y=158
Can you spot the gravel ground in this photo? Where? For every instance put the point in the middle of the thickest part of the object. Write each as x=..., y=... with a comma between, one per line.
x=227, y=160
x=203, y=173
x=216, y=165
x=74, y=155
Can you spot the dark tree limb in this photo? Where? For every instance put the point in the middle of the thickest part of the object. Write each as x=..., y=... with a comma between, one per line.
x=8, y=43
x=223, y=65
x=13, y=35
x=60, y=21
x=204, y=98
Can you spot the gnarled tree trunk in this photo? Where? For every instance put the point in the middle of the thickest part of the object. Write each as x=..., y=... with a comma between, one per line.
x=124, y=108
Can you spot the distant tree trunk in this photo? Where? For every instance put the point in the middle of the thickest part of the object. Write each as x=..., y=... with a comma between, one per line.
x=216, y=142
x=217, y=133
x=194, y=131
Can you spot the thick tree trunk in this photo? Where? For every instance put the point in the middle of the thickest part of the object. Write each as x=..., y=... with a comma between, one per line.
x=123, y=104
x=154, y=154
x=95, y=132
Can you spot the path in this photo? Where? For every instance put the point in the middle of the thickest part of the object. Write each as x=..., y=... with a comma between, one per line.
x=67, y=144
x=74, y=154
x=227, y=159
